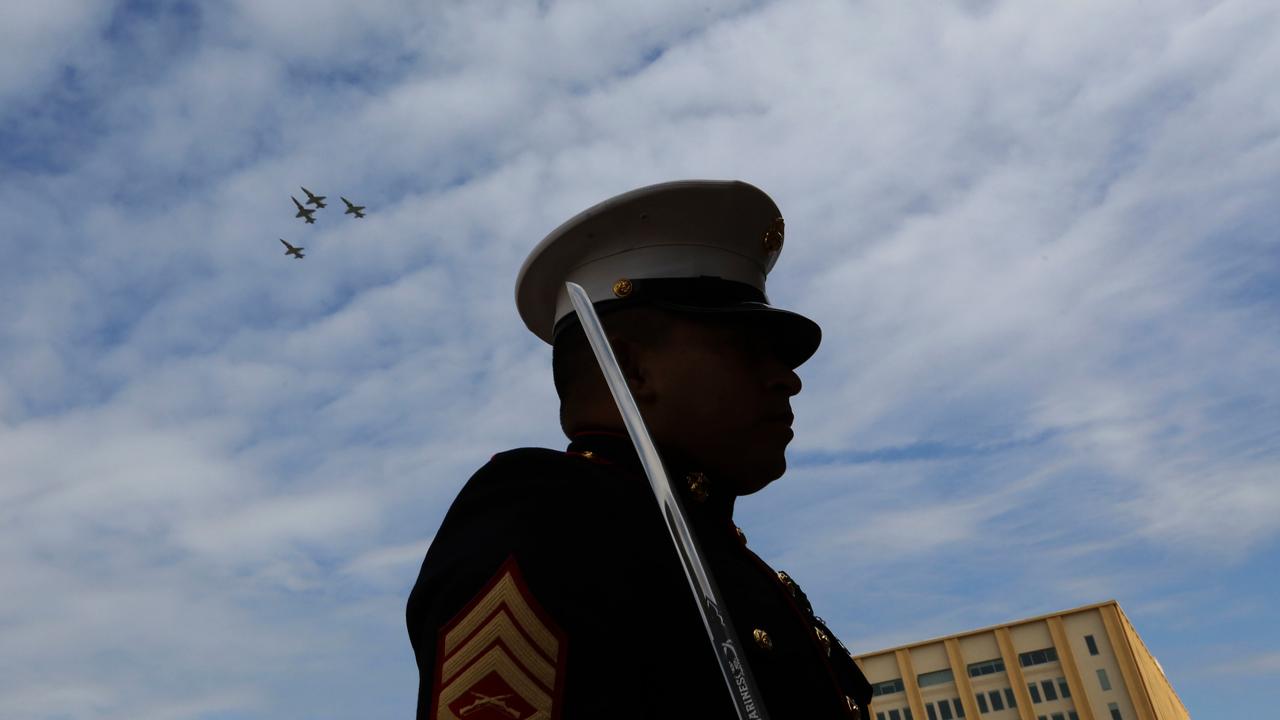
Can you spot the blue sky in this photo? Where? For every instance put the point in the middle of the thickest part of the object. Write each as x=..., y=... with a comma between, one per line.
x=1040, y=237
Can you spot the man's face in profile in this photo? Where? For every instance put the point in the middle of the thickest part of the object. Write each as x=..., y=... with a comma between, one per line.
x=721, y=398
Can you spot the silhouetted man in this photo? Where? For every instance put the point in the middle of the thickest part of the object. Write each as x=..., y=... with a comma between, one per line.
x=552, y=589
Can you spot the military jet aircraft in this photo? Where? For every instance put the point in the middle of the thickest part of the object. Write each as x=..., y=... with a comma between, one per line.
x=352, y=208
x=304, y=212
x=313, y=199
x=291, y=250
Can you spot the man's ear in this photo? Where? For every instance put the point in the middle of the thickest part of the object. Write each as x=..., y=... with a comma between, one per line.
x=632, y=360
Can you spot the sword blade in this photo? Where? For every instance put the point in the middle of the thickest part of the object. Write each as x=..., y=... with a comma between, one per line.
x=728, y=651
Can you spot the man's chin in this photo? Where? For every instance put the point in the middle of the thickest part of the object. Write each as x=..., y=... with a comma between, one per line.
x=759, y=476
x=741, y=473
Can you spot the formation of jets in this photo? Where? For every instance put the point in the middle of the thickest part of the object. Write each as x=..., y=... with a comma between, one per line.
x=308, y=215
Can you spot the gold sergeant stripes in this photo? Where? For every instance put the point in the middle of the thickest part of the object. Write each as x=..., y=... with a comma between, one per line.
x=500, y=657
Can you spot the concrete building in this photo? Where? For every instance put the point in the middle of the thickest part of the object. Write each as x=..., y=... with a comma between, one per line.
x=1081, y=664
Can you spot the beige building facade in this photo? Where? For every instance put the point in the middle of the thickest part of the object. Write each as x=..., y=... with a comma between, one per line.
x=1082, y=664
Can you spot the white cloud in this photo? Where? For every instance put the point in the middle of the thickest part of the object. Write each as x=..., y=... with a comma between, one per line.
x=1259, y=664
x=42, y=38
x=389, y=566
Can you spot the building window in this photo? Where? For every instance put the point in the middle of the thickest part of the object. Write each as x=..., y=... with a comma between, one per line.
x=1008, y=698
x=1038, y=657
x=906, y=712
x=887, y=687
x=1115, y=711
x=959, y=707
x=1058, y=716
x=996, y=702
x=1049, y=692
x=880, y=716
x=928, y=709
x=1063, y=689
x=1093, y=646
x=937, y=677
x=944, y=709
x=1042, y=717
x=1035, y=692
x=895, y=715
x=1071, y=715
x=986, y=667
x=1102, y=679
x=982, y=703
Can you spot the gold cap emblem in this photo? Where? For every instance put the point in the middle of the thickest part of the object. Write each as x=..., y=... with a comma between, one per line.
x=773, y=236
x=762, y=639
x=623, y=288
x=742, y=537
x=851, y=704
x=697, y=483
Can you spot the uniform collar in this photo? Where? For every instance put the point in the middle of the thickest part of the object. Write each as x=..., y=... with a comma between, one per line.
x=603, y=446
x=697, y=489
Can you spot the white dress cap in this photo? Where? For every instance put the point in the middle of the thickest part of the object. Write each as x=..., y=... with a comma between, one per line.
x=690, y=245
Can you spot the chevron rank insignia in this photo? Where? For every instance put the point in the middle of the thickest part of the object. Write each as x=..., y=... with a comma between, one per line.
x=502, y=656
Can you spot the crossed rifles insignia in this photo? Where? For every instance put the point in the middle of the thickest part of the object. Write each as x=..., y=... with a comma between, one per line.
x=496, y=701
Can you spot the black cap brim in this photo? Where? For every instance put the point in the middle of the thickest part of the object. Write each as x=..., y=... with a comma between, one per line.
x=794, y=337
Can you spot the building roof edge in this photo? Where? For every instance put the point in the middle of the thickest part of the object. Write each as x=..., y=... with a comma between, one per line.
x=991, y=628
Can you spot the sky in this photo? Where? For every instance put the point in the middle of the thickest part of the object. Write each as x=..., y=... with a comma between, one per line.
x=1040, y=238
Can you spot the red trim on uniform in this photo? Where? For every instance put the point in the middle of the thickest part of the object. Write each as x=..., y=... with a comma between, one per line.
x=504, y=608
x=557, y=696
x=497, y=642
x=508, y=566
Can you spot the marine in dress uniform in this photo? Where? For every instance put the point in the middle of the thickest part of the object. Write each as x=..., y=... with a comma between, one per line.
x=552, y=588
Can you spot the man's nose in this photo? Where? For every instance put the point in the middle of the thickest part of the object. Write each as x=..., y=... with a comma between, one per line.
x=783, y=377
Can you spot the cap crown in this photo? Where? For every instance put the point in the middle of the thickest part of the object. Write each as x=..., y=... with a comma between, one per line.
x=685, y=229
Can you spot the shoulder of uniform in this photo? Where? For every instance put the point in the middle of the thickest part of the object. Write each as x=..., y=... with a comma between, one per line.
x=538, y=470
x=521, y=502
x=528, y=490
x=523, y=457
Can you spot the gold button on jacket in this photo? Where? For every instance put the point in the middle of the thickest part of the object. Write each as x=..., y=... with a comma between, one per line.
x=762, y=639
